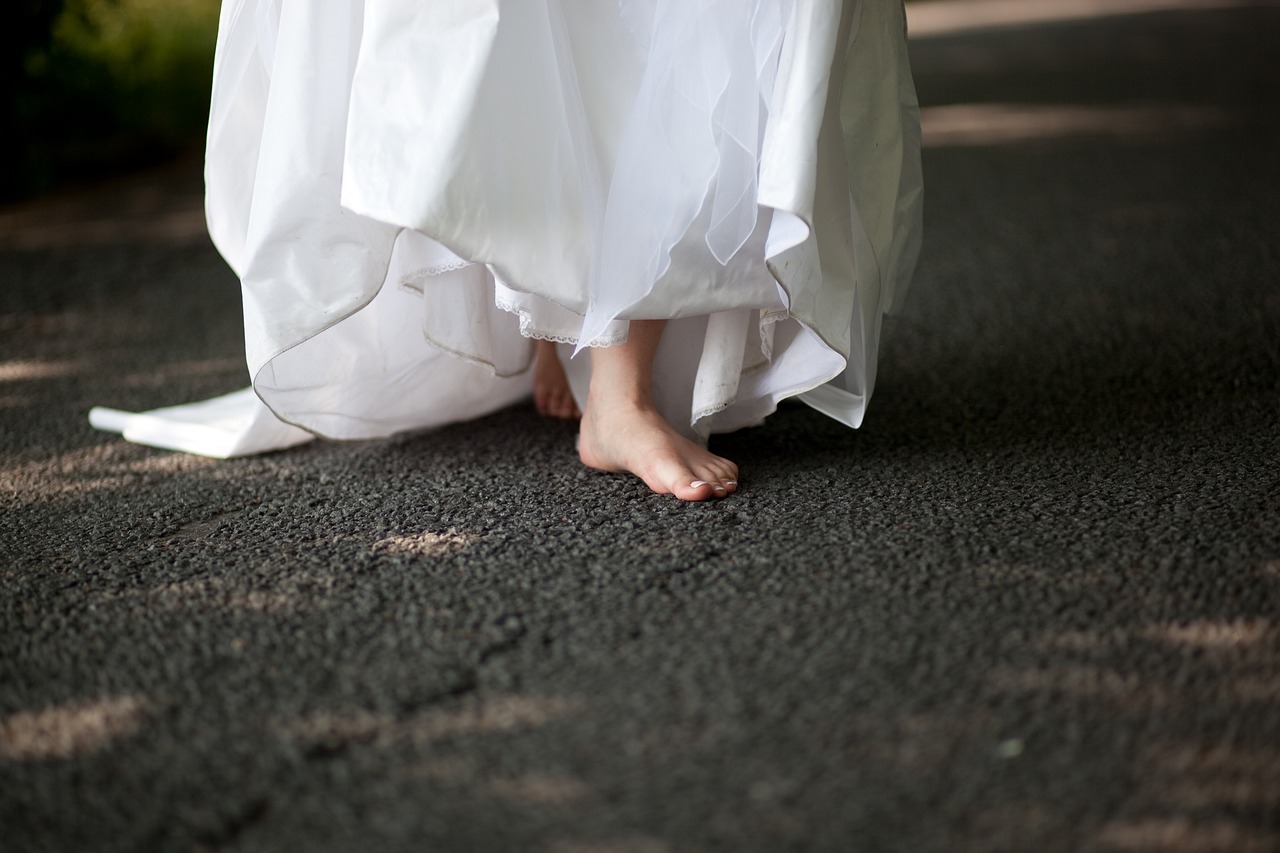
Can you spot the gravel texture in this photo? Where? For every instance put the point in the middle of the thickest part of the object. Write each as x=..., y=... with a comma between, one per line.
x=1033, y=604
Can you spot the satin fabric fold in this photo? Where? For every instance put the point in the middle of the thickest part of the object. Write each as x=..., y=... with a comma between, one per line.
x=412, y=191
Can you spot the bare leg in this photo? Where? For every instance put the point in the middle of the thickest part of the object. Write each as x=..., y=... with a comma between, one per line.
x=551, y=392
x=622, y=431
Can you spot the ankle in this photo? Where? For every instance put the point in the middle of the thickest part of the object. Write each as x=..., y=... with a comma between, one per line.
x=608, y=396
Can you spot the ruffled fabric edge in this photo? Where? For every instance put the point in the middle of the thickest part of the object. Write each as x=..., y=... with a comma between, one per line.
x=885, y=245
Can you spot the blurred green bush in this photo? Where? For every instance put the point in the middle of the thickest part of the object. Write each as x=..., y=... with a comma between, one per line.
x=96, y=86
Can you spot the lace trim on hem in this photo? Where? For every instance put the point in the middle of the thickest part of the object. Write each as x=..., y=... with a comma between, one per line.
x=714, y=409
x=438, y=269
x=527, y=330
x=417, y=279
x=767, y=319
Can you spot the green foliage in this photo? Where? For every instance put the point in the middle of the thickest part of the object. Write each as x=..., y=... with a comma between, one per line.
x=112, y=84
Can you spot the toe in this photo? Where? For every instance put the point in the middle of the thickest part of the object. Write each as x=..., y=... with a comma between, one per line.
x=696, y=490
x=710, y=485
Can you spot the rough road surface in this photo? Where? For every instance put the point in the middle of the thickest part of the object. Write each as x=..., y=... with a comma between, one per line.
x=1034, y=604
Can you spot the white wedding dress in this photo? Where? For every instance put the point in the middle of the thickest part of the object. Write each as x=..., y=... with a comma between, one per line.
x=411, y=191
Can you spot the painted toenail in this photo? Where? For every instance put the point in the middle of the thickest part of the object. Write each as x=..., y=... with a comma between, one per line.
x=697, y=484
x=731, y=482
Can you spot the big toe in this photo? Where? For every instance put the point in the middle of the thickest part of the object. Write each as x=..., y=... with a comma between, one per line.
x=698, y=490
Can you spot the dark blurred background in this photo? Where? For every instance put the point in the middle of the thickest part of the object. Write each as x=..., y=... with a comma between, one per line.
x=93, y=87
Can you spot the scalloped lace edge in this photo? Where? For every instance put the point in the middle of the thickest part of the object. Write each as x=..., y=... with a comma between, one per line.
x=527, y=329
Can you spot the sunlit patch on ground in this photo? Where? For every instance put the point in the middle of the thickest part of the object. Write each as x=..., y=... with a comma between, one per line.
x=23, y=370
x=951, y=17
x=1081, y=641
x=441, y=769
x=986, y=575
x=1004, y=124
x=1205, y=634
x=1240, y=635
x=1132, y=691
x=1190, y=777
x=76, y=473
x=1031, y=607
x=70, y=731
x=537, y=789
x=427, y=543
x=1085, y=682
x=167, y=374
x=69, y=331
x=1181, y=783
x=495, y=715
x=1179, y=834
x=920, y=742
x=296, y=592
x=16, y=401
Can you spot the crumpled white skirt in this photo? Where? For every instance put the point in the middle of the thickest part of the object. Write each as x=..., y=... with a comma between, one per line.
x=410, y=192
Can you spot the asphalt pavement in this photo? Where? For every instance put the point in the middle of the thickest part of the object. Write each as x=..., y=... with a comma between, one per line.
x=1032, y=605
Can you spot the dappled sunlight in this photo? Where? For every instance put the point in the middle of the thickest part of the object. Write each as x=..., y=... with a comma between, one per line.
x=986, y=575
x=72, y=730
x=1132, y=691
x=25, y=370
x=919, y=742
x=167, y=374
x=1182, y=834
x=427, y=543
x=16, y=401
x=293, y=593
x=451, y=769
x=979, y=124
x=538, y=789
x=940, y=18
x=1081, y=641
x=1205, y=635
x=1212, y=635
x=1127, y=690
x=494, y=715
x=80, y=472
x=71, y=330
x=911, y=741
x=1193, y=777
x=1262, y=689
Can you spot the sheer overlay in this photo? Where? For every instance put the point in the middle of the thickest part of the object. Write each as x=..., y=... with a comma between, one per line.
x=410, y=192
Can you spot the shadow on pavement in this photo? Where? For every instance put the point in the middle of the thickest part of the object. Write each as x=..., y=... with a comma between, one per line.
x=1031, y=604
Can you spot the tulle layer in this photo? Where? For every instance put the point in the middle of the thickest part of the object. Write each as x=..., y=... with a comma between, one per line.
x=412, y=191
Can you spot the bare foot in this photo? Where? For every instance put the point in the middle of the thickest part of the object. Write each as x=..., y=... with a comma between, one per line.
x=551, y=394
x=634, y=438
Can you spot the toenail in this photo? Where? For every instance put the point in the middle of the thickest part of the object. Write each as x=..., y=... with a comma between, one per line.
x=697, y=484
x=731, y=482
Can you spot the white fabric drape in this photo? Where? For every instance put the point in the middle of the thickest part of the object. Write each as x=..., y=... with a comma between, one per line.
x=410, y=191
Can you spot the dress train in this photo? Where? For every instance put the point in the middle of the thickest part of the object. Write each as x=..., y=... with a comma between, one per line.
x=412, y=191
